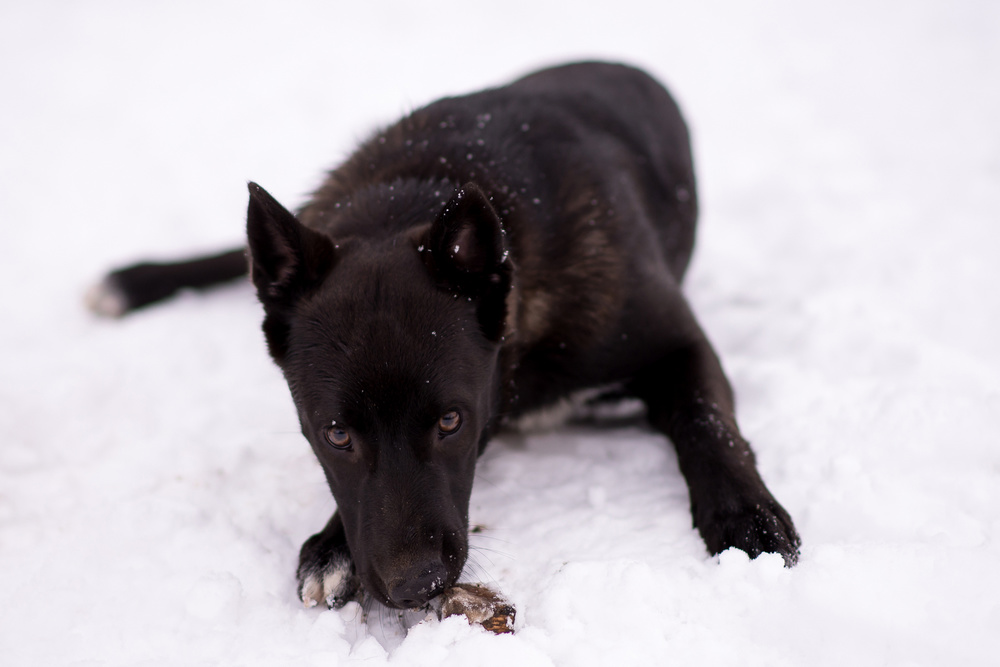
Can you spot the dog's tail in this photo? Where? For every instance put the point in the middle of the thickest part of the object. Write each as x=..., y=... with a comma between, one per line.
x=132, y=287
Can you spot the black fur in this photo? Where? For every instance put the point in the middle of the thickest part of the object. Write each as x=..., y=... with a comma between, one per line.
x=139, y=285
x=485, y=256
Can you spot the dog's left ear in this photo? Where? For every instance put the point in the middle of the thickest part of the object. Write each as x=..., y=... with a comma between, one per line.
x=286, y=258
x=287, y=261
x=468, y=254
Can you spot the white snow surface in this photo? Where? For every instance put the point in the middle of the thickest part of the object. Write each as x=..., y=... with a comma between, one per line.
x=154, y=488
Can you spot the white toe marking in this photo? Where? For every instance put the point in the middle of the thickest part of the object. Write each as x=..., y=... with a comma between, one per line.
x=335, y=581
x=106, y=299
x=312, y=591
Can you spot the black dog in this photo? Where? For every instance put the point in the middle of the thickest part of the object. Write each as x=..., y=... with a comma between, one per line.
x=485, y=256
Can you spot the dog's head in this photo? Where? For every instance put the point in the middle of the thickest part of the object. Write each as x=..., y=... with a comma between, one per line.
x=389, y=343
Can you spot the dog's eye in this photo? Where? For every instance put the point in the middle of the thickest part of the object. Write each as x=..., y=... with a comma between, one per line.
x=338, y=437
x=449, y=422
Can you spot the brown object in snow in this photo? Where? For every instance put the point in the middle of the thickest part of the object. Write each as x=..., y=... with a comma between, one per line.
x=480, y=605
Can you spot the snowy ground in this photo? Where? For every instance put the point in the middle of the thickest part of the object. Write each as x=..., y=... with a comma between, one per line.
x=154, y=489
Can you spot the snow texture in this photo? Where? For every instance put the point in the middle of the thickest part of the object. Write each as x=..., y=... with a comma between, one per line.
x=154, y=488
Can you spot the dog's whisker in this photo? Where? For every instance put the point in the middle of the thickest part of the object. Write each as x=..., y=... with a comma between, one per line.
x=484, y=536
x=480, y=573
x=479, y=553
x=484, y=550
x=366, y=607
x=474, y=570
x=381, y=619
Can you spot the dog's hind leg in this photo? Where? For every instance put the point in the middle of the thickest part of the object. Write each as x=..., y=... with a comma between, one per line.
x=689, y=398
x=326, y=571
x=132, y=287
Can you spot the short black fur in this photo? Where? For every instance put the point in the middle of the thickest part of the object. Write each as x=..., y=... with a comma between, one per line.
x=486, y=256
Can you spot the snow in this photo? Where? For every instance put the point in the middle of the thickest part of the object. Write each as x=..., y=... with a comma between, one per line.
x=154, y=488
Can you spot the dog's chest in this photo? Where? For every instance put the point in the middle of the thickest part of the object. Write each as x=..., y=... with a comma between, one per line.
x=603, y=403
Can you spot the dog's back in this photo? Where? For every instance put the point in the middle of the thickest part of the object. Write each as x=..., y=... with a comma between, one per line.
x=578, y=139
x=651, y=143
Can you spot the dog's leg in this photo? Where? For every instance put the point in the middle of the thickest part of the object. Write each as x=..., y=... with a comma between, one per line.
x=689, y=398
x=326, y=571
x=132, y=287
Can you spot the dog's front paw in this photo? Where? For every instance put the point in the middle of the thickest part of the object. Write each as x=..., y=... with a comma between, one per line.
x=326, y=573
x=756, y=528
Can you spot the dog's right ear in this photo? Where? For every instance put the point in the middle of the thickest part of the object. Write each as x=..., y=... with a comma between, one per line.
x=287, y=258
x=287, y=261
x=468, y=253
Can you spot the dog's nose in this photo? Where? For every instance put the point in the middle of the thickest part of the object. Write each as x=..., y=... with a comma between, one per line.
x=423, y=583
